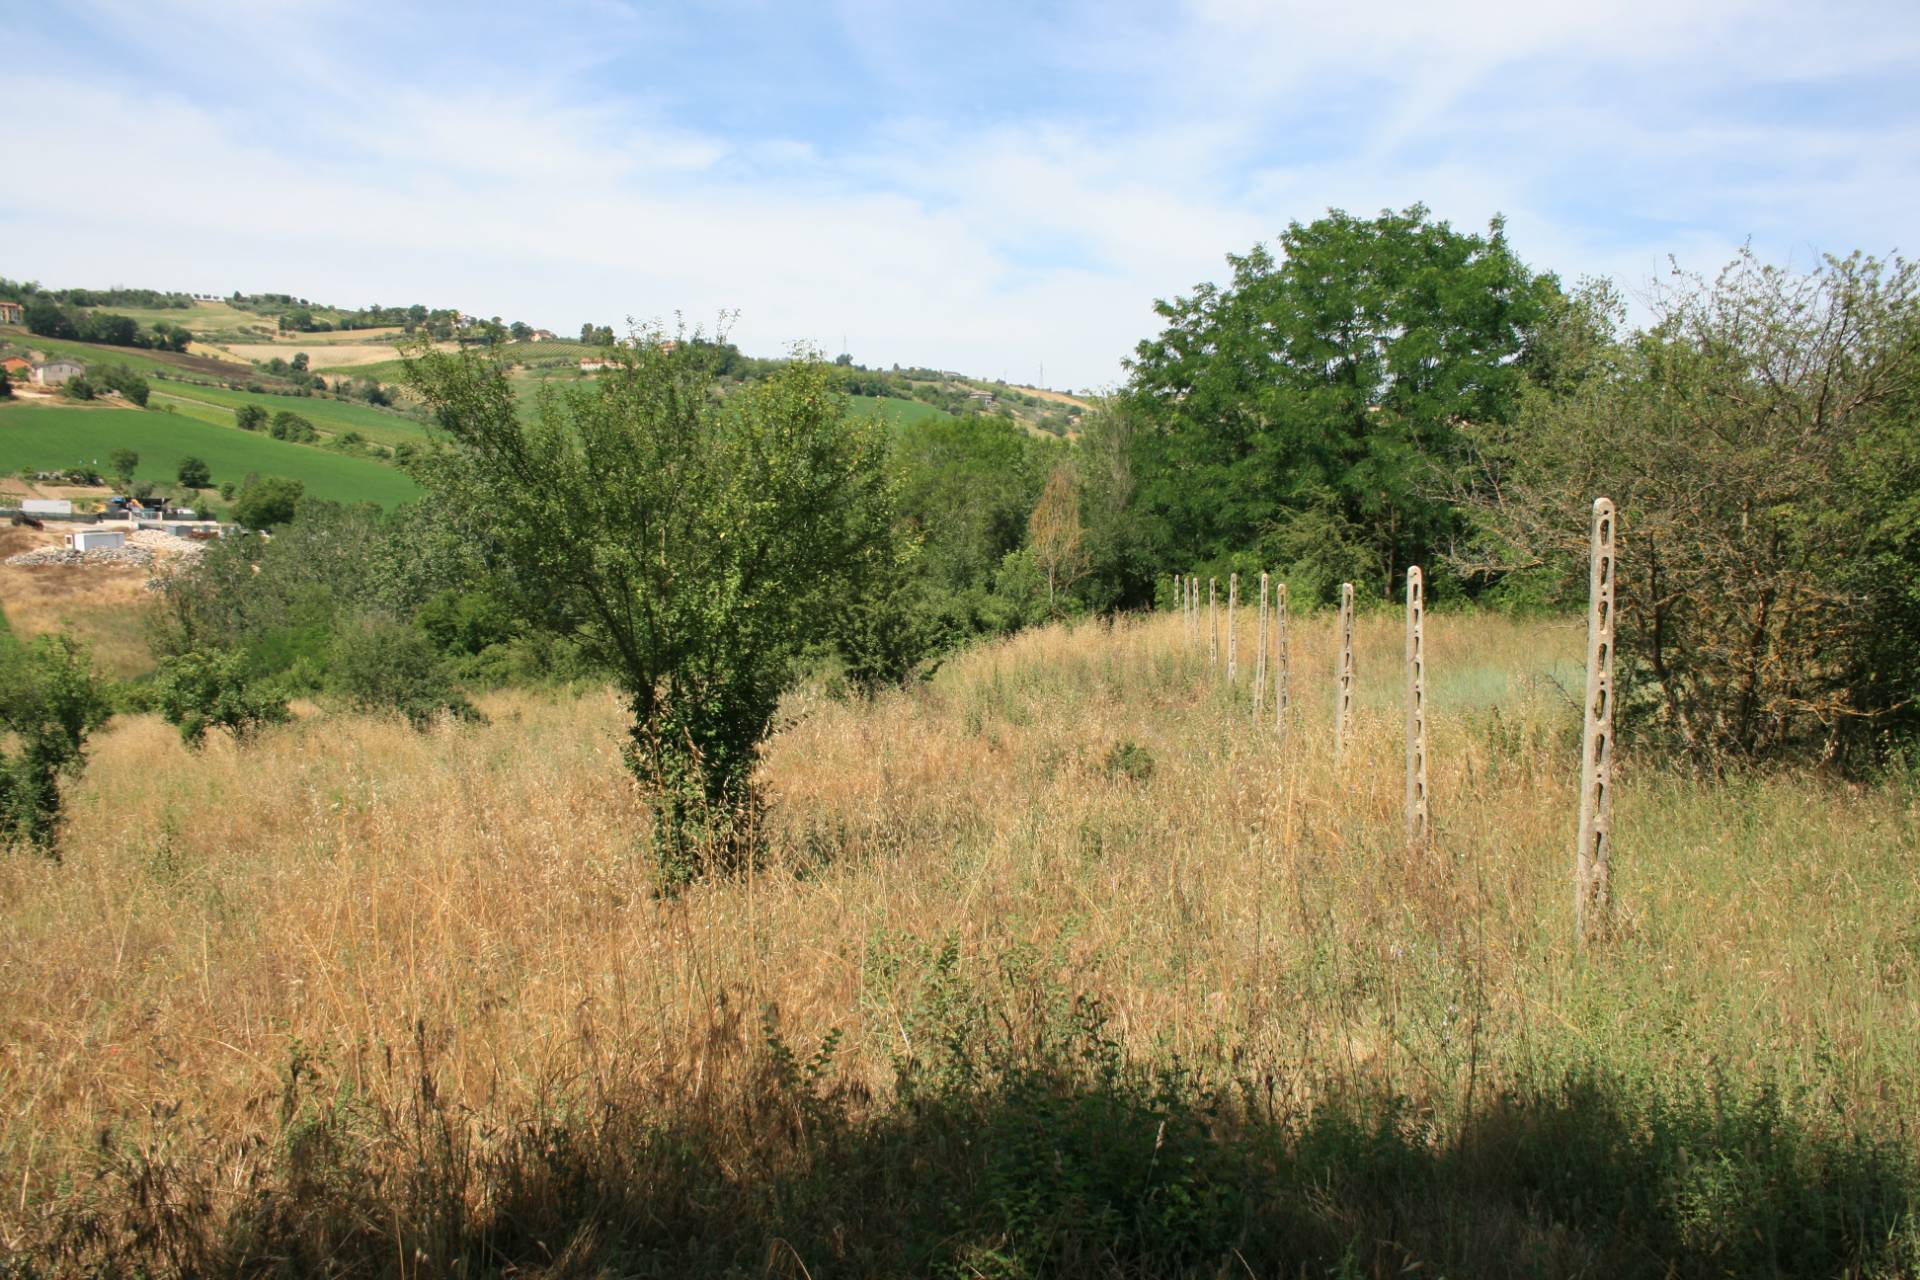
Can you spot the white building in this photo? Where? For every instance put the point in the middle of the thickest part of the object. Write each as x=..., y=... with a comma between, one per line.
x=47, y=506
x=55, y=372
x=96, y=539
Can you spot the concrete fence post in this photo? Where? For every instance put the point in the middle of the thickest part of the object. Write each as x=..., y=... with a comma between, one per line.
x=1282, y=661
x=1233, y=627
x=1213, y=621
x=1417, y=813
x=1260, y=652
x=1343, y=693
x=1592, y=901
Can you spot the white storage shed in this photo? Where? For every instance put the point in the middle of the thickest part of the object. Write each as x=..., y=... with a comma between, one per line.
x=96, y=539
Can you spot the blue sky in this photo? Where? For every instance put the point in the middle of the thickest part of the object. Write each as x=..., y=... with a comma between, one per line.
x=986, y=187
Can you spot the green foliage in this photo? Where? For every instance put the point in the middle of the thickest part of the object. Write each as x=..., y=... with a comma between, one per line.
x=200, y=691
x=50, y=701
x=250, y=417
x=1128, y=760
x=1330, y=378
x=1757, y=439
x=288, y=425
x=268, y=501
x=695, y=547
x=194, y=473
x=78, y=387
x=123, y=462
x=467, y=621
x=385, y=666
x=118, y=377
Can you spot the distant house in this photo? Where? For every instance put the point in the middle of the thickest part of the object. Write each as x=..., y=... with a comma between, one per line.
x=55, y=372
x=542, y=335
x=12, y=313
x=590, y=363
x=14, y=364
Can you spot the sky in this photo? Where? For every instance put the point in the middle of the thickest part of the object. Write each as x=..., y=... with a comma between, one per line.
x=998, y=189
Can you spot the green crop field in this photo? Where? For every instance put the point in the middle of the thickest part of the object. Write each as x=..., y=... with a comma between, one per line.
x=898, y=412
x=216, y=405
x=50, y=436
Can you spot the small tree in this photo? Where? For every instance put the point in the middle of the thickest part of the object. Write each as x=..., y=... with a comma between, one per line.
x=1056, y=537
x=694, y=545
x=50, y=702
x=210, y=690
x=123, y=462
x=250, y=417
x=194, y=473
x=267, y=502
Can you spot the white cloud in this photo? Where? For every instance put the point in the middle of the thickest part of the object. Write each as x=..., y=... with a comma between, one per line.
x=988, y=241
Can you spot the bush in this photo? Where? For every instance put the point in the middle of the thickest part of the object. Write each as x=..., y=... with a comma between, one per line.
x=1757, y=440
x=210, y=690
x=250, y=417
x=264, y=503
x=383, y=666
x=50, y=701
x=288, y=425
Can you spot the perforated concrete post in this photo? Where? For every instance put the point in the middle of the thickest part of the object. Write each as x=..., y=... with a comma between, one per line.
x=1260, y=653
x=1343, y=693
x=1592, y=856
x=1233, y=627
x=1282, y=661
x=1213, y=621
x=1417, y=815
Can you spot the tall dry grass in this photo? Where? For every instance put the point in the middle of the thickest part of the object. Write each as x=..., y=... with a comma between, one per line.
x=348, y=926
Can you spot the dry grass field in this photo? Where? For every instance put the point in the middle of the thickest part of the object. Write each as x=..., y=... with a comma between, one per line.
x=102, y=606
x=1060, y=964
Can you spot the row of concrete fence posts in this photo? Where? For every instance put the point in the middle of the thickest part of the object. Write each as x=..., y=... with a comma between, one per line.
x=1593, y=851
x=1343, y=693
x=1417, y=813
x=1233, y=628
x=1594, y=842
x=1260, y=653
x=1282, y=661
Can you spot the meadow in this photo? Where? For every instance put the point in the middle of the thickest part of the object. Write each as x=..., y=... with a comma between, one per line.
x=334, y=417
x=54, y=436
x=1063, y=963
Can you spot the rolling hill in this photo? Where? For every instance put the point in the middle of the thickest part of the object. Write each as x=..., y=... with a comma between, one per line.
x=50, y=436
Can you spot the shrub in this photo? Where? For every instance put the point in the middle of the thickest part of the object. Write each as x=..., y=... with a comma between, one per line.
x=267, y=502
x=288, y=425
x=1757, y=441
x=50, y=701
x=383, y=666
x=210, y=690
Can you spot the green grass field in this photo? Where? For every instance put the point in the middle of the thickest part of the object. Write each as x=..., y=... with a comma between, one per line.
x=217, y=405
x=900, y=412
x=50, y=436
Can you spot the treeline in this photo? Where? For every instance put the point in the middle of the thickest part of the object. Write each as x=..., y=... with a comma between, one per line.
x=24, y=291
x=1378, y=393
x=52, y=319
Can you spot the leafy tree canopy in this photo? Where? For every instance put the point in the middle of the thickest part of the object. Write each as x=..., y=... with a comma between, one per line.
x=1327, y=383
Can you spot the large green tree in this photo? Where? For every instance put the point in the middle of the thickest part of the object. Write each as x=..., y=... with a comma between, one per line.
x=692, y=544
x=1309, y=411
